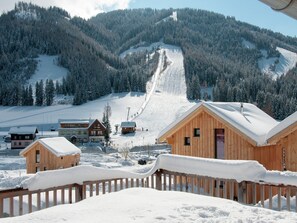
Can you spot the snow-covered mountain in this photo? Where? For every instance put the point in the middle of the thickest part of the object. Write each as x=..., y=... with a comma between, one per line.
x=164, y=101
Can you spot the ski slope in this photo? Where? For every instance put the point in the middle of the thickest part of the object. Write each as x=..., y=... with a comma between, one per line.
x=165, y=101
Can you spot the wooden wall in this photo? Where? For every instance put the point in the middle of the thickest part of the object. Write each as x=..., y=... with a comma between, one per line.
x=289, y=155
x=48, y=160
x=236, y=146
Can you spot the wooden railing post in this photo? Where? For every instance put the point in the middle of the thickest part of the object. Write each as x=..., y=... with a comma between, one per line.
x=1, y=207
x=242, y=192
x=79, y=192
x=159, y=180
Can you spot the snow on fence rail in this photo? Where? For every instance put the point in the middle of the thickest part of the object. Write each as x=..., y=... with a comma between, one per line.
x=245, y=181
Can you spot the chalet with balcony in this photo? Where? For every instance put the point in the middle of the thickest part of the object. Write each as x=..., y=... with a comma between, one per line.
x=22, y=136
x=50, y=154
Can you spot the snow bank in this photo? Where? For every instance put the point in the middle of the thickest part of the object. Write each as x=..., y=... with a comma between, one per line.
x=277, y=177
x=146, y=205
x=240, y=170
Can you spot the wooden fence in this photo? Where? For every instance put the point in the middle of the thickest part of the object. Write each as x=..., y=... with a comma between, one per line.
x=20, y=201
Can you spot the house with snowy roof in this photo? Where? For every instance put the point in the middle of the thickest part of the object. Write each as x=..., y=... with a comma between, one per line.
x=50, y=154
x=128, y=127
x=82, y=130
x=22, y=136
x=225, y=130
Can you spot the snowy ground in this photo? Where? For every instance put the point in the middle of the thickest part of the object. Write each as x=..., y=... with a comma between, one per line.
x=148, y=205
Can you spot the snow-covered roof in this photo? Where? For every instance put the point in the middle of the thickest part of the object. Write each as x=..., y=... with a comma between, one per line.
x=23, y=130
x=59, y=146
x=75, y=121
x=248, y=119
x=282, y=126
x=128, y=124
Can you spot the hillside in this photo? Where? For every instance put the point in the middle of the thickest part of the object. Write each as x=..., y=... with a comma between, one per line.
x=239, y=61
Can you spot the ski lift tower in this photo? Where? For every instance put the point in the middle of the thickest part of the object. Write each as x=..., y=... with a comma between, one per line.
x=128, y=113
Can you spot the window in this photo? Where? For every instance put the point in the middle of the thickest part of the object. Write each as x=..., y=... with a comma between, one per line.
x=187, y=141
x=27, y=137
x=61, y=157
x=37, y=169
x=37, y=156
x=20, y=143
x=197, y=132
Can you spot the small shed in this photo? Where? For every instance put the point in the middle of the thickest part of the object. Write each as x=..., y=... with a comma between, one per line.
x=128, y=127
x=22, y=136
x=50, y=154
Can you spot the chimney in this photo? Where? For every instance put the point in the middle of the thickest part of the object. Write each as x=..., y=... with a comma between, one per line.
x=241, y=108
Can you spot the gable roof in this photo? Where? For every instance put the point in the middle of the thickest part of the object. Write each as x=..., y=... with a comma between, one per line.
x=59, y=146
x=284, y=128
x=249, y=120
x=128, y=124
x=23, y=130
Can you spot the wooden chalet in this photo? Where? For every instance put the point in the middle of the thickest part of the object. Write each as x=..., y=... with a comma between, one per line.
x=128, y=127
x=284, y=136
x=22, y=136
x=234, y=131
x=82, y=130
x=50, y=154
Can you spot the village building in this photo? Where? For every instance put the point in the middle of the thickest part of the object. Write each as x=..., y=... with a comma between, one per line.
x=224, y=130
x=22, y=136
x=82, y=130
x=234, y=131
x=128, y=127
x=50, y=154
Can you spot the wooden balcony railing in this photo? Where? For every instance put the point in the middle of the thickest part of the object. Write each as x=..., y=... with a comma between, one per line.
x=20, y=201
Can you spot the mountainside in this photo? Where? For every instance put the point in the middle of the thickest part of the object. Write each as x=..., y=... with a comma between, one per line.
x=241, y=62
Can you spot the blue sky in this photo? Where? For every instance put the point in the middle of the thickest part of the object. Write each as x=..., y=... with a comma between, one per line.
x=250, y=11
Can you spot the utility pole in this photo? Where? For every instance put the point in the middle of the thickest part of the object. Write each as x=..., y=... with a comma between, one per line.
x=128, y=113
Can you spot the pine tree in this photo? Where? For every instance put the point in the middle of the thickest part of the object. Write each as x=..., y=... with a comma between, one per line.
x=39, y=93
x=49, y=92
x=106, y=123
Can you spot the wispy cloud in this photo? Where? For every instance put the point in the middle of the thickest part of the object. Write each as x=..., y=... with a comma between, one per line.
x=82, y=8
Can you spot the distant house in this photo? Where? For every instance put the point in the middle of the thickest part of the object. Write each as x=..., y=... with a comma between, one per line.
x=22, y=136
x=50, y=154
x=224, y=130
x=82, y=130
x=128, y=127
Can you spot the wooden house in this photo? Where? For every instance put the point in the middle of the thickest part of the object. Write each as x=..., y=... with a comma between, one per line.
x=50, y=154
x=22, y=136
x=284, y=136
x=128, y=127
x=96, y=131
x=224, y=131
x=82, y=130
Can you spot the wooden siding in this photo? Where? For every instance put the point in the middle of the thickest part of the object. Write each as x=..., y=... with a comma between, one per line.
x=48, y=160
x=236, y=146
x=204, y=146
x=269, y=156
x=288, y=148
